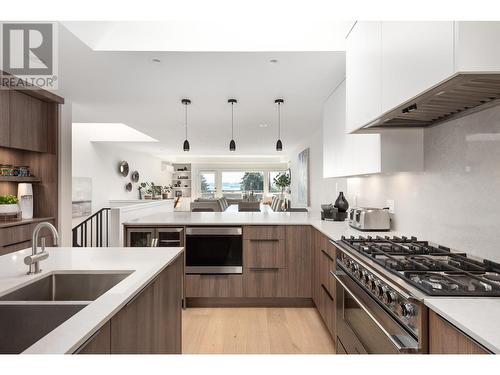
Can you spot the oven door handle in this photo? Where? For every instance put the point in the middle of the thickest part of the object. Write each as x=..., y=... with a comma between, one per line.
x=372, y=317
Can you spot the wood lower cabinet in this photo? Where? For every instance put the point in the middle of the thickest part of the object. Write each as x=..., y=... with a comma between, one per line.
x=264, y=282
x=151, y=322
x=444, y=338
x=98, y=343
x=299, y=261
x=323, y=283
x=219, y=286
x=18, y=236
x=264, y=253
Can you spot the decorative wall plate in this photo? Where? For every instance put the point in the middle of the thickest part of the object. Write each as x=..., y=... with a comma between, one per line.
x=128, y=187
x=123, y=168
x=135, y=176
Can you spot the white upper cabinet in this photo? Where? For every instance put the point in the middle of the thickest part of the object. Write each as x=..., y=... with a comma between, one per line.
x=477, y=46
x=389, y=63
x=363, y=67
x=396, y=150
x=415, y=56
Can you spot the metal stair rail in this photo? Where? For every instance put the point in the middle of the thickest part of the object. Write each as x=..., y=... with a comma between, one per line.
x=93, y=231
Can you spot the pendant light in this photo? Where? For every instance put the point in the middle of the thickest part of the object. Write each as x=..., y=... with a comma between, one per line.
x=279, y=144
x=232, y=144
x=186, y=102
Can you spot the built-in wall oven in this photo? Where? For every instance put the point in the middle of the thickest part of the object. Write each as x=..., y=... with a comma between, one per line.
x=373, y=317
x=214, y=250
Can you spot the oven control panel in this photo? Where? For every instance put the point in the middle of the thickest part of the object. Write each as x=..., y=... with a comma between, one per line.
x=400, y=307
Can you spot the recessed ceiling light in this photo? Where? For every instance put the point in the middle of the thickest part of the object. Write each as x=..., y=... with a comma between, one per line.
x=156, y=60
x=263, y=125
x=273, y=61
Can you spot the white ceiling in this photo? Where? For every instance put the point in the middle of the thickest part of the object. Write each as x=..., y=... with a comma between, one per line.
x=127, y=87
x=206, y=34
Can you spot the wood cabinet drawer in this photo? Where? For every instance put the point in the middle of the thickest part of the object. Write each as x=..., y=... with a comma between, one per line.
x=214, y=286
x=326, y=265
x=264, y=253
x=15, y=247
x=16, y=234
x=327, y=309
x=263, y=282
x=273, y=232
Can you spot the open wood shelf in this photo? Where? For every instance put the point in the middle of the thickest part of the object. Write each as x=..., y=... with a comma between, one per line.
x=19, y=179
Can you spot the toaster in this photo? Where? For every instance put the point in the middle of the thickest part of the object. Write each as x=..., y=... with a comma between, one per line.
x=370, y=219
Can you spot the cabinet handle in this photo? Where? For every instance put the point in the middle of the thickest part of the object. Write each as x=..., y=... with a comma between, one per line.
x=327, y=255
x=265, y=239
x=264, y=269
x=327, y=292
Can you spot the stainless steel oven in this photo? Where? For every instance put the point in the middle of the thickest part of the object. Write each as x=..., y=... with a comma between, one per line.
x=214, y=250
x=367, y=325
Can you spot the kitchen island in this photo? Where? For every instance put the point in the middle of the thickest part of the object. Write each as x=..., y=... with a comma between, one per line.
x=152, y=285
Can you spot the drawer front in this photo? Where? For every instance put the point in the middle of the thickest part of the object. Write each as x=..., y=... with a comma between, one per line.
x=264, y=253
x=326, y=265
x=263, y=282
x=327, y=309
x=16, y=234
x=273, y=232
x=18, y=246
x=214, y=286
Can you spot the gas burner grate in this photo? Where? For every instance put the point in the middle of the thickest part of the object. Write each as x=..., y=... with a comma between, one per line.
x=433, y=269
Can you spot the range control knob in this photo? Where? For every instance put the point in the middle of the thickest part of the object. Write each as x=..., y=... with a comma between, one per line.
x=354, y=267
x=390, y=297
x=368, y=280
x=381, y=289
x=362, y=275
x=406, y=310
x=359, y=273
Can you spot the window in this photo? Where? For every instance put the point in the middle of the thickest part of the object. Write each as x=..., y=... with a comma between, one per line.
x=237, y=184
x=207, y=184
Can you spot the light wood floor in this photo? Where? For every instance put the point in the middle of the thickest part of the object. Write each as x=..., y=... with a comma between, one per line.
x=254, y=331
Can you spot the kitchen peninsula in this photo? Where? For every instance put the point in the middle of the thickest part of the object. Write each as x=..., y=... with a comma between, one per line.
x=288, y=260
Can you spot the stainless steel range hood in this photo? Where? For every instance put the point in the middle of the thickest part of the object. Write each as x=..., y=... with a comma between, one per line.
x=459, y=95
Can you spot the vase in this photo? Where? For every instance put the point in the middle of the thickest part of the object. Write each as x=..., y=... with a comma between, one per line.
x=341, y=203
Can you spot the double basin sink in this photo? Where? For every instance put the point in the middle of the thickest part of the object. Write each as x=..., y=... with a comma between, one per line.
x=32, y=311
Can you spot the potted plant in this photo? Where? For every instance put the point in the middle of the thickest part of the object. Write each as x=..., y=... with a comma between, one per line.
x=166, y=190
x=147, y=189
x=8, y=205
x=283, y=181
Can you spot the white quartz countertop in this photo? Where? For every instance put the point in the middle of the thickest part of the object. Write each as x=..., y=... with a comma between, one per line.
x=477, y=317
x=146, y=264
x=332, y=229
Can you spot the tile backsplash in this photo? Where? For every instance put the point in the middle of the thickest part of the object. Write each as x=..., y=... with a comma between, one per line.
x=455, y=201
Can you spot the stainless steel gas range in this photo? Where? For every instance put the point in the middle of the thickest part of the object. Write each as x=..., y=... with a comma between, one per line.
x=381, y=285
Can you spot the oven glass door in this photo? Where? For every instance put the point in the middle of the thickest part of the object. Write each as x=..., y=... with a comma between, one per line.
x=365, y=327
x=213, y=253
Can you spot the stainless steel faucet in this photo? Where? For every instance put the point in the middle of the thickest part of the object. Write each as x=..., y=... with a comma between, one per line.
x=33, y=260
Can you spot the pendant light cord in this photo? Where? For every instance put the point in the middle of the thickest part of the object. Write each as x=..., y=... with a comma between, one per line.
x=279, y=120
x=186, y=119
x=232, y=120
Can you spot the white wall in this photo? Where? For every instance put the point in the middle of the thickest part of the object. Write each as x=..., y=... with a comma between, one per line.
x=99, y=160
x=322, y=190
x=455, y=201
